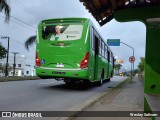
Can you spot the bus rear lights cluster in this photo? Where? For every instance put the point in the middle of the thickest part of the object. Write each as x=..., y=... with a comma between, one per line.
x=38, y=61
x=84, y=62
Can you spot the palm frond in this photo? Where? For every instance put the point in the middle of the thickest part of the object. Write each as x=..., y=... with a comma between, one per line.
x=5, y=6
x=30, y=41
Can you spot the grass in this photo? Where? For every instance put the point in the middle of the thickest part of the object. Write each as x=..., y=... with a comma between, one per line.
x=5, y=79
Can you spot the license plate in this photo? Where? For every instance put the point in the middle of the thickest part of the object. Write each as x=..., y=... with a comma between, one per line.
x=59, y=65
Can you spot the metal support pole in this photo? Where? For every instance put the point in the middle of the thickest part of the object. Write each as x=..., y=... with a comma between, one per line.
x=133, y=56
x=131, y=72
x=14, y=65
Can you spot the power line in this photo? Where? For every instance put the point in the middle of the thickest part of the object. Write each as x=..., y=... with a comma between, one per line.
x=26, y=9
x=22, y=22
x=22, y=25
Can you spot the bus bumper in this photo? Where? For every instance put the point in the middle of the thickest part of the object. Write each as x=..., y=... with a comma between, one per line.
x=62, y=73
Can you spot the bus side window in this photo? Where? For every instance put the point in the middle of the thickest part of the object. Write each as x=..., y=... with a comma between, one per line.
x=106, y=54
x=103, y=49
x=111, y=59
x=100, y=47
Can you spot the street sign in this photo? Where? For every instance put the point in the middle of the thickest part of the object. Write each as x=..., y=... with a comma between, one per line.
x=113, y=42
x=119, y=61
x=132, y=59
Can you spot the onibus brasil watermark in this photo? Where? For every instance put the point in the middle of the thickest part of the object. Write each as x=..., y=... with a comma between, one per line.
x=21, y=115
x=38, y=114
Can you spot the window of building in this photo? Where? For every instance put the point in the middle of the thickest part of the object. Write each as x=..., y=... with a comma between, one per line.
x=27, y=72
x=19, y=65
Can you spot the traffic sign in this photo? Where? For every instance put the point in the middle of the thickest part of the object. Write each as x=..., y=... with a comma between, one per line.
x=113, y=42
x=132, y=59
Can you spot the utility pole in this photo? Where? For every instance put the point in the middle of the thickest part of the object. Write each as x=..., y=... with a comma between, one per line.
x=14, y=65
x=132, y=69
x=6, y=71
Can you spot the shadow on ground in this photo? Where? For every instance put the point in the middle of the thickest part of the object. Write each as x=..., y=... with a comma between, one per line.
x=76, y=86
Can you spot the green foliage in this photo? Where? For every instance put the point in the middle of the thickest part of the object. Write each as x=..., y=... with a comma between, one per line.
x=3, y=68
x=30, y=41
x=3, y=52
x=141, y=64
x=117, y=66
x=136, y=71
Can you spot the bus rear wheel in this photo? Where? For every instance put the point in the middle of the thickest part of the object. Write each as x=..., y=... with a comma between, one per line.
x=99, y=83
x=69, y=82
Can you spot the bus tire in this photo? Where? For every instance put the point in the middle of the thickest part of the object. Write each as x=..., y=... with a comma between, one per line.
x=69, y=82
x=99, y=83
x=109, y=79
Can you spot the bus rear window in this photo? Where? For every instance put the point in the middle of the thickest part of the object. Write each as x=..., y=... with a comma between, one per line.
x=62, y=32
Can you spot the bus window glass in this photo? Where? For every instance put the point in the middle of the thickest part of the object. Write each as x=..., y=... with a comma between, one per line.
x=100, y=47
x=111, y=58
x=62, y=32
x=105, y=52
x=103, y=49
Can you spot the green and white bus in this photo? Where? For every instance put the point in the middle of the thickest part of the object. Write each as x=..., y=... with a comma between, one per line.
x=71, y=49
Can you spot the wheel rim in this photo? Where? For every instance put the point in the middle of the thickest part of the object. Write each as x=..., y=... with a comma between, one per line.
x=101, y=80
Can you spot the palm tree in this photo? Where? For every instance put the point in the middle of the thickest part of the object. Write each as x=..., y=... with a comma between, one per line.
x=30, y=41
x=5, y=6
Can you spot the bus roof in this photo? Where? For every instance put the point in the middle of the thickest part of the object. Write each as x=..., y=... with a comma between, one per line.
x=64, y=19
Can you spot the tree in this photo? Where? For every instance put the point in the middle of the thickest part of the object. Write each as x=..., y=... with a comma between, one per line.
x=141, y=64
x=141, y=67
x=3, y=68
x=3, y=52
x=30, y=41
x=4, y=6
x=117, y=67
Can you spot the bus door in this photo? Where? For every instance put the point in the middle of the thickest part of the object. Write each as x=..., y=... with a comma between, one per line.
x=96, y=48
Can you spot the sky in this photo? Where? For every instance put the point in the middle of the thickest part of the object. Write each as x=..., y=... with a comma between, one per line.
x=26, y=14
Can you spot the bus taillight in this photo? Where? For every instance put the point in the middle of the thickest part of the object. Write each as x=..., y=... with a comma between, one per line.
x=38, y=61
x=84, y=62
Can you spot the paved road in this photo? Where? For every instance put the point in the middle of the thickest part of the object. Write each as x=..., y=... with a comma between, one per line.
x=48, y=95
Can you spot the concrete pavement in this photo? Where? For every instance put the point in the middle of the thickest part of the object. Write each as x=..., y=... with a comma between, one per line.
x=128, y=97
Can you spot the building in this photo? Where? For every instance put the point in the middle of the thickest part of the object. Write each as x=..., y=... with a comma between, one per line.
x=23, y=66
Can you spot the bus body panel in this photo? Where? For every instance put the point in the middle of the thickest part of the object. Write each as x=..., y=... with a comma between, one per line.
x=62, y=58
